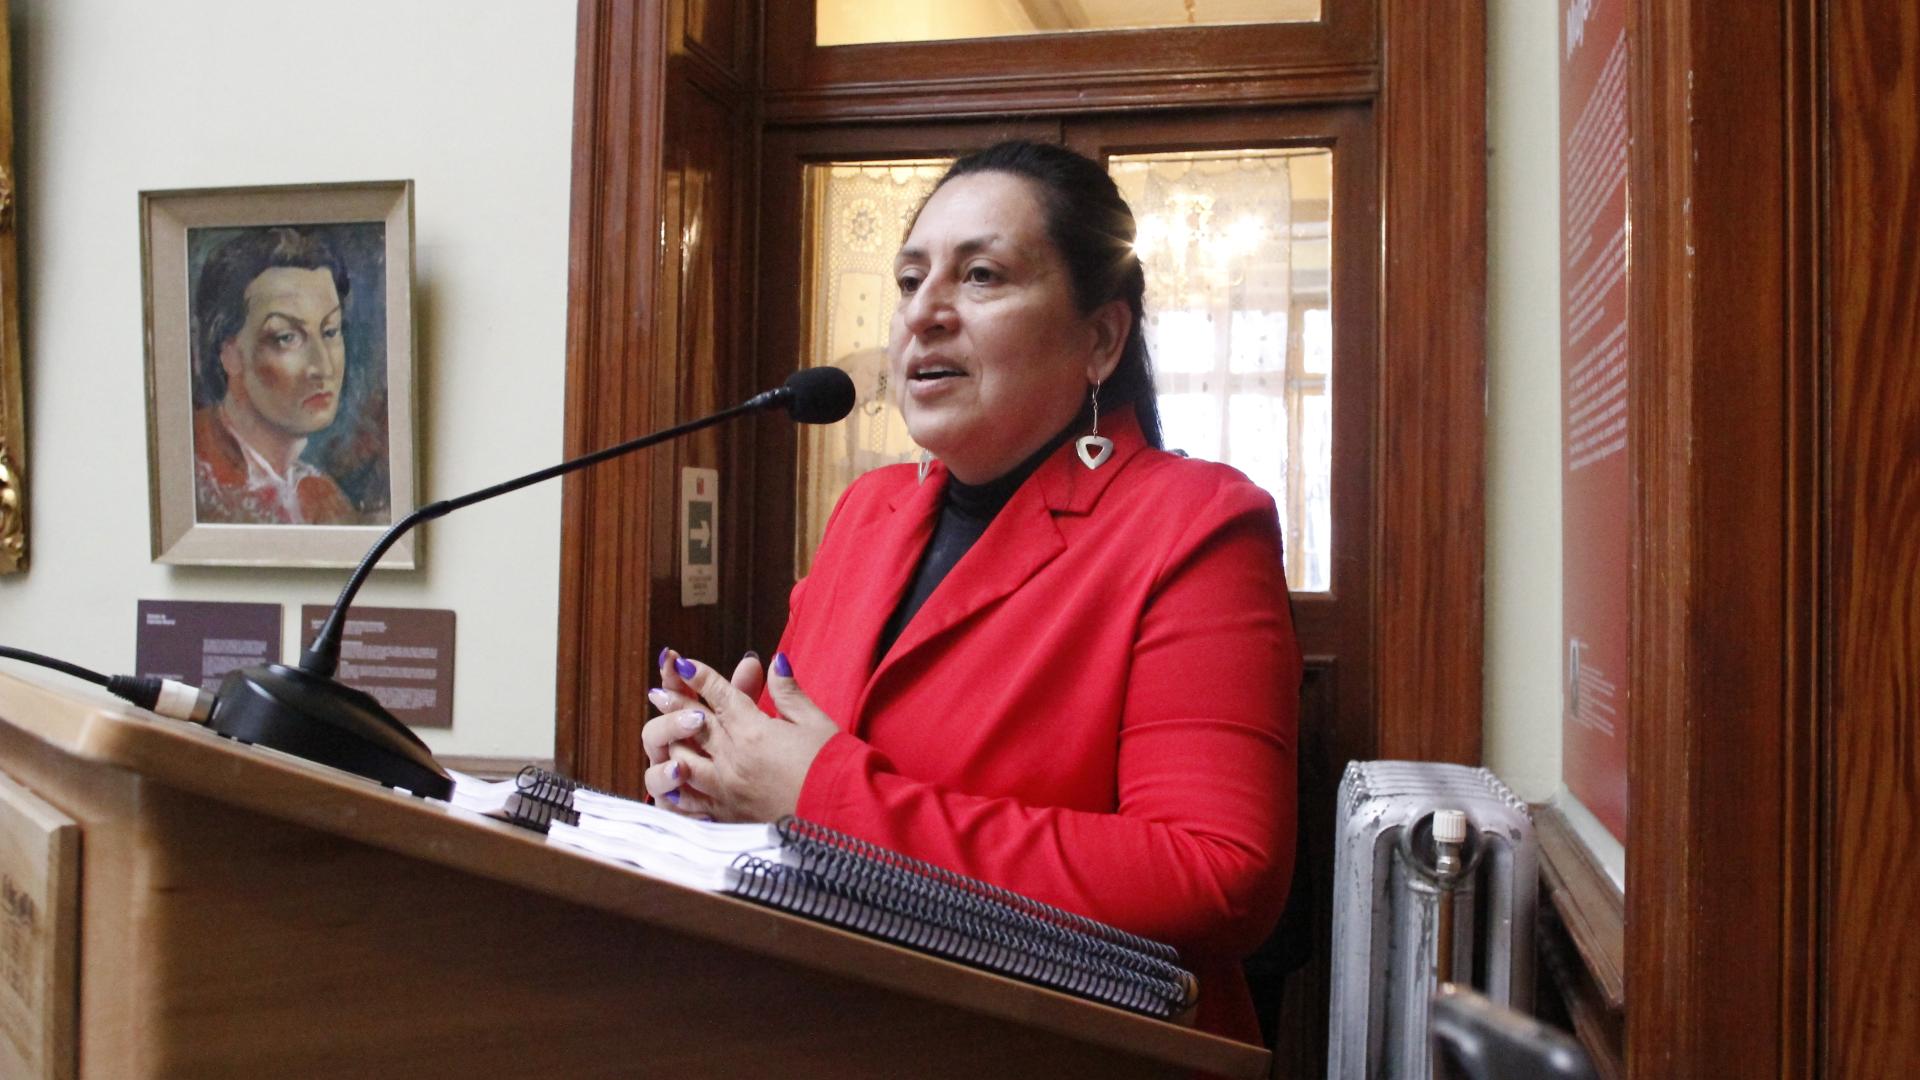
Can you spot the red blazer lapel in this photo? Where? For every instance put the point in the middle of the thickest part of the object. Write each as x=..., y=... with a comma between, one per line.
x=1022, y=539
x=890, y=552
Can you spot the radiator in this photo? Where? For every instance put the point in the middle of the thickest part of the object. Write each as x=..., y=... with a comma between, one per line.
x=1386, y=910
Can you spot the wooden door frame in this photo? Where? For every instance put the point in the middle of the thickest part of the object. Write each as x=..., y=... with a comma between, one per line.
x=1432, y=452
x=1725, y=730
x=1429, y=91
x=1770, y=773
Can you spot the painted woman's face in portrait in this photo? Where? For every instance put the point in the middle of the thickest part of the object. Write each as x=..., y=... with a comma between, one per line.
x=288, y=359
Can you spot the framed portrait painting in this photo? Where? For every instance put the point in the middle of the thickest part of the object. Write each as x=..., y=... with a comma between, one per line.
x=280, y=374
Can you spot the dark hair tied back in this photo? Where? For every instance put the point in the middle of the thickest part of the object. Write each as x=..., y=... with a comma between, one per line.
x=1092, y=227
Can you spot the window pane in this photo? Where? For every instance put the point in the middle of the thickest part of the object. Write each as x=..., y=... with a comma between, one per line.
x=1191, y=422
x=856, y=22
x=1259, y=342
x=1185, y=338
x=1317, y=341
x=1316, y=526
x=1237, y=246
x=856, y=216
x=1257, y=440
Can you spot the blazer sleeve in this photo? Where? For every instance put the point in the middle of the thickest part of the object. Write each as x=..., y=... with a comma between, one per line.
x=1198, y=849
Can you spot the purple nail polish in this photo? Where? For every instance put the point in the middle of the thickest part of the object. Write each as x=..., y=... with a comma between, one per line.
x=751, y=655
x=781, y=667
x=662, y=662
x=685, y=668
x=674, y=796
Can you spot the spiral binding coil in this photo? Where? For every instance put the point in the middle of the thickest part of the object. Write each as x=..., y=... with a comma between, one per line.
x=808, y=839
x=542, y=797
x=827, y=875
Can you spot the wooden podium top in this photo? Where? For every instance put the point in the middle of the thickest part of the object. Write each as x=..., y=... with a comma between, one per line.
x=189, y=758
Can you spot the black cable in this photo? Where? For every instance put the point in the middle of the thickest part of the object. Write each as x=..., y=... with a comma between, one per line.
x=164, y=696
x=62, y=666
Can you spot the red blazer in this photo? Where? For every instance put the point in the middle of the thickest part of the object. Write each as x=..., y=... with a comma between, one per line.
x=1096, y=707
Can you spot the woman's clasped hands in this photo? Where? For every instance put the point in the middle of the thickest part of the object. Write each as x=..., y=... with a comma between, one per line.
x=712, y=753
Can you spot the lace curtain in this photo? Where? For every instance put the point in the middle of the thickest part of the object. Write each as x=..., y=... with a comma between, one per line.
x=1237, y=322
x=857, y=218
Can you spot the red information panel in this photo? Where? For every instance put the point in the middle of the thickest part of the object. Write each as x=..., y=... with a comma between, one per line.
x=1593, y=403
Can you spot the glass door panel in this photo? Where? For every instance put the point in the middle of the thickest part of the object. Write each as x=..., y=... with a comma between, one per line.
x=861, y=22
x=1237, y=246
x=855, y=216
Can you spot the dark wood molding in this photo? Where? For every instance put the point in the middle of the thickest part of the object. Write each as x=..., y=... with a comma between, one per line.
x=1076, y=94
x=614, y=267
x=1805, y=715
x=1659, y=762
x=1723, y=318
x=1591, y=907
x=718, y=32
x=1431, y=458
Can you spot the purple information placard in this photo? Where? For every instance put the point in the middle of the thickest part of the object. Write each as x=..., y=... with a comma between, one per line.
x=402, y=656
x=199, y=641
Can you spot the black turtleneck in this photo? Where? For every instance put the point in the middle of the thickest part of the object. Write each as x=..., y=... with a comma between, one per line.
x=965, y=512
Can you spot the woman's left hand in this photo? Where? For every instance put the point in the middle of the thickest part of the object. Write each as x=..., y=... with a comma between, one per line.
x=753, y=764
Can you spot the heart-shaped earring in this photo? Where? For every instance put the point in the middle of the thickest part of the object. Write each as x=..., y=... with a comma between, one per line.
x=1095, y=448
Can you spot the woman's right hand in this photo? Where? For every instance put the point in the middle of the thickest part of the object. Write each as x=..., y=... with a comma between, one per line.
x=683, y=718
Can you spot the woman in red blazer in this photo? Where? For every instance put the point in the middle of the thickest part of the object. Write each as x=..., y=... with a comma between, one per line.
x=1063, y=665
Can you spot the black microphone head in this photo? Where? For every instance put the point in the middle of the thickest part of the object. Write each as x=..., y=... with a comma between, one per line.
x=819, y=395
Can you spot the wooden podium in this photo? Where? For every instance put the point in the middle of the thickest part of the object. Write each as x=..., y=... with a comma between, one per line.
x=243, y=913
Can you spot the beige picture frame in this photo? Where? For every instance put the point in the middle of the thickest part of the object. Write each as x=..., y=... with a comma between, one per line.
x=281, y=423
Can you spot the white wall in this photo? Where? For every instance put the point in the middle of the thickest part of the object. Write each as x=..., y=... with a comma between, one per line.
x=1522, y=735
x=472, y=101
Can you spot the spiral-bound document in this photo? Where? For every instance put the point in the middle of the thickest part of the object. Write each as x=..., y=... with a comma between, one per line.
x=803, y=868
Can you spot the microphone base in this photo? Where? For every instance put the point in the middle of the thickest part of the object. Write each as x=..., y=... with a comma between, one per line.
x=313, y=717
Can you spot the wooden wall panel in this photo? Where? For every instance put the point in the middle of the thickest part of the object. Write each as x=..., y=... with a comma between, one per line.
x=614, y=265
x=1871, y=1011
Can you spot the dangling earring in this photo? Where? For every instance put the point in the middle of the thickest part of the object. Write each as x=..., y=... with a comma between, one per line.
x=926, y=464
x=1095, y=448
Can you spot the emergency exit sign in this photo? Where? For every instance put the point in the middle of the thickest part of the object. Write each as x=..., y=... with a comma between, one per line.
x=699, y=537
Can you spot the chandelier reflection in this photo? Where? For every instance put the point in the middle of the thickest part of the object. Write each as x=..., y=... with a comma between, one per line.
x=1188, y=255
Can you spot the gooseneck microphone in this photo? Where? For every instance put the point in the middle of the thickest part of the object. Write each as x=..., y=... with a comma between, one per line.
x=302, y=711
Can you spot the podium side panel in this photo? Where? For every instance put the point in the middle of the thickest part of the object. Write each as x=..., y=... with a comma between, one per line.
x=39, y=934
x=285, y=951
